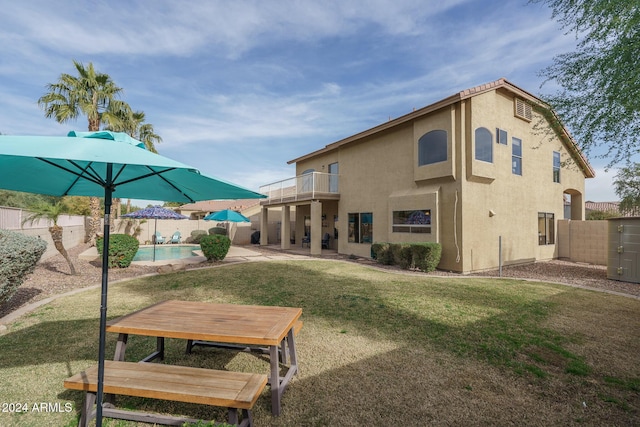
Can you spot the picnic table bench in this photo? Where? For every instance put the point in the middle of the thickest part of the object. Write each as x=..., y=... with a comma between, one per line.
x=232, y=390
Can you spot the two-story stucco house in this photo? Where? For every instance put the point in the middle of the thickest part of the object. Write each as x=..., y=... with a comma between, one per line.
x=485, y=172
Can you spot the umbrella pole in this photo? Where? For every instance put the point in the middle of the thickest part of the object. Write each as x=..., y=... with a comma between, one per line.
x=103, y=300
x=155, y=237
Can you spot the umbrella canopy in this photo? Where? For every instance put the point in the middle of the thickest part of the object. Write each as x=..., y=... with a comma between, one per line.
x=155, y=213
x=77, y=165
x=227, y=215
x=103, y=164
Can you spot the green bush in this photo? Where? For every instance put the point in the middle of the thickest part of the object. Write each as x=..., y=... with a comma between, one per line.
x=381, y=253
x=18, y=257
x=215, y=247
x=426, y=256
x=218, y=230
x=122, y=249
x=423, y=256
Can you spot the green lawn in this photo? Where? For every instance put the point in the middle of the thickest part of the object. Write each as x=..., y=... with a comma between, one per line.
x=377, y=348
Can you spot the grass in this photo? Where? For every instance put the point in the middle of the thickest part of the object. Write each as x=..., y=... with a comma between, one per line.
x=376, y=349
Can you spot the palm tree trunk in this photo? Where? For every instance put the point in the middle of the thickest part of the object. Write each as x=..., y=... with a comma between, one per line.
x=94, y=223
x=56, y=236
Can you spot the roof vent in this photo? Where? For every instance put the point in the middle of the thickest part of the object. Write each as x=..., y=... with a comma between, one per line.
x=523, y=109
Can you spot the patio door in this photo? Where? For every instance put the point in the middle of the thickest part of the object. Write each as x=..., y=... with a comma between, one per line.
x=333, y=178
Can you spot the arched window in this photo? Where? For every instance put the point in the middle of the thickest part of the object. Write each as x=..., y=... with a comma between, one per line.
x=484, y=145
x=432, y=147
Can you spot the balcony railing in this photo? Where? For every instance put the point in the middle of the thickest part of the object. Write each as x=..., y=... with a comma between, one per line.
x=311, y=185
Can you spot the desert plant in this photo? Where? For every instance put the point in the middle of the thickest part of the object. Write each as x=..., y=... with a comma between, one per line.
x=215, y=247
x=122, y=249
x=51, y=212
x=18, y=257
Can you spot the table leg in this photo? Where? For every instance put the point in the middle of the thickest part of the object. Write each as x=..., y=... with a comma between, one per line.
x=159, y=353
x=121, y=347
x=275, y=380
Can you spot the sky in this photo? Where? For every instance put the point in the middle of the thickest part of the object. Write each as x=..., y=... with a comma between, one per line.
x=239, y=88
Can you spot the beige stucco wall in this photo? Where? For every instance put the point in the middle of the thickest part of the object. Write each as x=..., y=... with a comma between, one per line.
x=583, y=241
x=473, y=203
x=515, y=200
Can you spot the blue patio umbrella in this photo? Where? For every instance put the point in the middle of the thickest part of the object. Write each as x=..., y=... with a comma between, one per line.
x=155, y=213
x=226, y=215
x=104, y=164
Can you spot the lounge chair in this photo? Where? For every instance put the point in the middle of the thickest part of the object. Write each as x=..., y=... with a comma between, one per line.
x=158, y=239
x=326, y=240
x=176, y=237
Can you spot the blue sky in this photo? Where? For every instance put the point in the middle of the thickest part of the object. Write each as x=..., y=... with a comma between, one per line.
x=238, y=88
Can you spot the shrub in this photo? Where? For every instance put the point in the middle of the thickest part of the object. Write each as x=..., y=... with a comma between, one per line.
x=215, y=247
x=426, y=256
x=218, y=230
x=381, y=253
x=18, y=257
x=196, y=235
x=423, y=256
x=122, y=249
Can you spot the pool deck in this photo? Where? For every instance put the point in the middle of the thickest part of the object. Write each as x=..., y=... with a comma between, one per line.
x=235, y=252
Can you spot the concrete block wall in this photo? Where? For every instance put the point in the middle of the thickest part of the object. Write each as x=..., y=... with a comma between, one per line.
x=583, y=241
x=71, y=237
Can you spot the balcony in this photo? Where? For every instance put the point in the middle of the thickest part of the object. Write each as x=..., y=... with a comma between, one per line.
x=310, y=186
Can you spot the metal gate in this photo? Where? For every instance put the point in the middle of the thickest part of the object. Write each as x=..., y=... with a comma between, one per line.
x=624, y=249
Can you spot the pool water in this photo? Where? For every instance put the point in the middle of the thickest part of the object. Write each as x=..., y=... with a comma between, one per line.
x=164, y=252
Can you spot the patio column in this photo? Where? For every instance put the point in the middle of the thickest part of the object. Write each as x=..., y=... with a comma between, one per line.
x=285, y=228
x=264, y=226
x=316, y=227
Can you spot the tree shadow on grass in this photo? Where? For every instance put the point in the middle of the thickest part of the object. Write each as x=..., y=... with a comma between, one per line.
x=455, y=318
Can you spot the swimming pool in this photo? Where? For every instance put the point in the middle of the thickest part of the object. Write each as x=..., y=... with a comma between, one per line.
x=165, y=252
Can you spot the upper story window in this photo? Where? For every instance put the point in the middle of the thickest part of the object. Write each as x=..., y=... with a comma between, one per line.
x=484, y=145
x=556, y=166
x=516, y=156
x=307, y=181
x=432, y=147
x=501, y=136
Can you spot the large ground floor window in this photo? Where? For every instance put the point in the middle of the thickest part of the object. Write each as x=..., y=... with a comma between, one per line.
x=414, y=221
x=361, y=227
x=546, y=228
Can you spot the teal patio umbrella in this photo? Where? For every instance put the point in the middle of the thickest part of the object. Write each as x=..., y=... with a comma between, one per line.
x=104, y=164
x=227, y=215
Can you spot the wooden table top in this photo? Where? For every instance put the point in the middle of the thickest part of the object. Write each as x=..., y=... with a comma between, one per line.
x=225, y=323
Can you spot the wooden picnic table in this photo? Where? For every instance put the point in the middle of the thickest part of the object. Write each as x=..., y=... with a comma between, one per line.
x=204, y=323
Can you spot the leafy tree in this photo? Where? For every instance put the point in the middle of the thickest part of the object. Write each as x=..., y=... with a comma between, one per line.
x=599, y=99
x=599, y=215
x=627, y=186
x=19, y=199
x=91, y=94
x=52, y=212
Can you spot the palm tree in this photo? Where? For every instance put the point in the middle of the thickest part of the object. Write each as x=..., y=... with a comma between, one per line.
x=51, y=212
x=132, y=123
x=90, y=94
